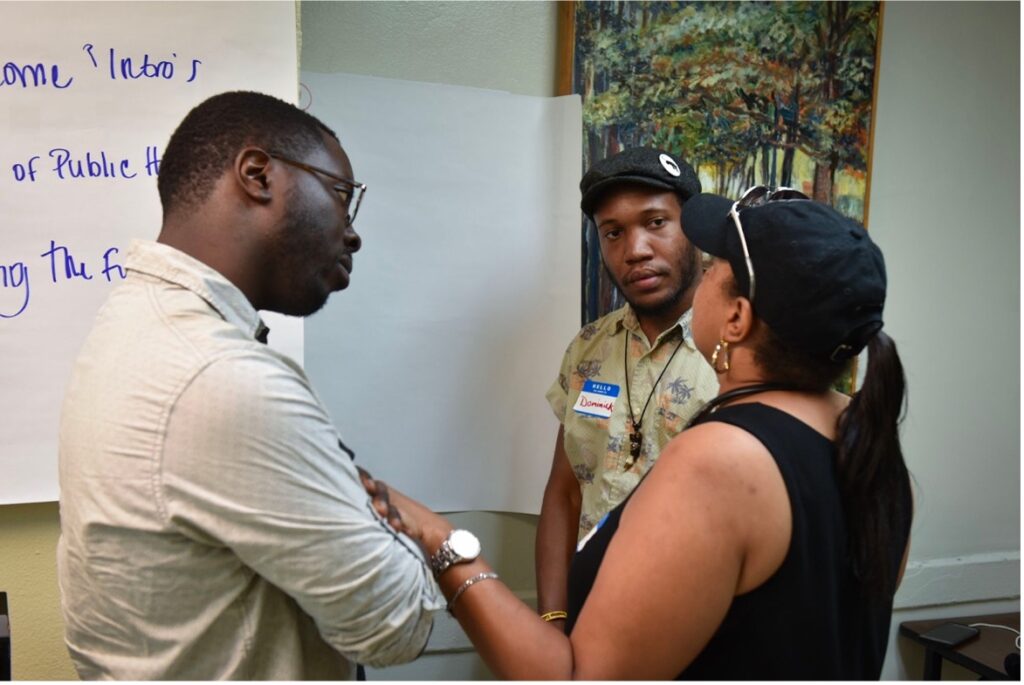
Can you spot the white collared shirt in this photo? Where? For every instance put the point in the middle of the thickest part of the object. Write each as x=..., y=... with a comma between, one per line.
x=211, y=527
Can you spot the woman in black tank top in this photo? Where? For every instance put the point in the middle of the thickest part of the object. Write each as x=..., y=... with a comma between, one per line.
x=769, y=539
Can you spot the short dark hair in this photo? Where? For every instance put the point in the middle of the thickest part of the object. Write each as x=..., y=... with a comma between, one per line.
x=206, y=140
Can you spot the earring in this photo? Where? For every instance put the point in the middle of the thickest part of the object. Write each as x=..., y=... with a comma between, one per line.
x=721, y=348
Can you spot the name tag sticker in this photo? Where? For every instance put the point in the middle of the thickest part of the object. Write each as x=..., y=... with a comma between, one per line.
x=597, y=399
x=586, y=538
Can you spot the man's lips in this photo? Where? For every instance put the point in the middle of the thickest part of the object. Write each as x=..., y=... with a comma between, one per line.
x=342, y=271
x=644, y=278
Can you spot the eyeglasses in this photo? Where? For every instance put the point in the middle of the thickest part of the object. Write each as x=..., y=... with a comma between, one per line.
x=756, y=196
x=351, y=192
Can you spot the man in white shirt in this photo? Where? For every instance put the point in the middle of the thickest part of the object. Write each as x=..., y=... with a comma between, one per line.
x=212, y=527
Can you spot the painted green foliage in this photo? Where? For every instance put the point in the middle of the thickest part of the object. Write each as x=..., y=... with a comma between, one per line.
x=778, y=93
x=753, y=92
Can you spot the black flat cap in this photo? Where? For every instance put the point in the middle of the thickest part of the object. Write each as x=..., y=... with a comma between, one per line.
x=643, y=165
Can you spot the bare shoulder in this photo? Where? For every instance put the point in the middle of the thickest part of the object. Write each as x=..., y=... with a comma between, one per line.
x=713, y=453
x=721, y=473
x=728, y=478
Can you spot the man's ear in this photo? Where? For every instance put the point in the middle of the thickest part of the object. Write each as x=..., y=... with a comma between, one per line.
x=251, y=172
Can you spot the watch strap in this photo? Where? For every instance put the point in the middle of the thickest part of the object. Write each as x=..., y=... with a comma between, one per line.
x=442, y=559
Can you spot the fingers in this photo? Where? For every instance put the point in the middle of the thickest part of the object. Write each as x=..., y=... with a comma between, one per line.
x=378, y=492
x=382, y=502
x=394, y=517
x=369, y=484
x=379, y=496
x=382, y=499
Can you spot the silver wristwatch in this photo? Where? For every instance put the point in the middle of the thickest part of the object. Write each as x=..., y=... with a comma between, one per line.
x=459, y=547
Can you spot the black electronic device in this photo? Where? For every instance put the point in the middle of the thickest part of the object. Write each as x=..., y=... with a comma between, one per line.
x=950, y=634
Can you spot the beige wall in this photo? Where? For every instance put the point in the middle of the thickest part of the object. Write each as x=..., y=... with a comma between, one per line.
x=28, y=574
x=499, y=45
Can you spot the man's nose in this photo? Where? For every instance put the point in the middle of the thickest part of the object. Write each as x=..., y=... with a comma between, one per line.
x=638, y=247
x=352, y=240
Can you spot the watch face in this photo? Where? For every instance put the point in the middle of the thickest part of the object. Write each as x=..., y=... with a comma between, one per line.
x=464, y=544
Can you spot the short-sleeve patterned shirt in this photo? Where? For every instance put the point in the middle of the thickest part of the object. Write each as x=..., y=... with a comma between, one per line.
x=598, y=448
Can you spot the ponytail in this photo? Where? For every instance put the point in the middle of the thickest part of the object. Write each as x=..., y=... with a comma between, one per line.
x=873, y=478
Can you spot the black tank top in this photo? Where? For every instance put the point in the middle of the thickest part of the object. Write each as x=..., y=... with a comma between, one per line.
x=808, y=621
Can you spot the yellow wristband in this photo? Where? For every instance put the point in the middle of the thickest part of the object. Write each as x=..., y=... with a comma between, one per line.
x=554, y=615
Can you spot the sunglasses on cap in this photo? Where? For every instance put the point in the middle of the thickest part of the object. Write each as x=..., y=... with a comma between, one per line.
x=756, y=196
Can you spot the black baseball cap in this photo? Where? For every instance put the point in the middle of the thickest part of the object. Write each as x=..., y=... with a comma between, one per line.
x=644, y=165
x=820, y=280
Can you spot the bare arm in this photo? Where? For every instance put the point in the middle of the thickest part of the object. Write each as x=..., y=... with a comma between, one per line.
x=667, y=580
x=557, y=532
x=512, y=640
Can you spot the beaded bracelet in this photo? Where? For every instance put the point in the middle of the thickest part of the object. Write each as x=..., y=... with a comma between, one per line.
x=467, y=583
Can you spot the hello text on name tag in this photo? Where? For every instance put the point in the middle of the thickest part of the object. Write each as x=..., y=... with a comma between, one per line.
x=597, y=399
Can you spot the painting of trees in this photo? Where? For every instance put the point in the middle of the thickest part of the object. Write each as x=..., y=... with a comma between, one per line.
x=778, y=93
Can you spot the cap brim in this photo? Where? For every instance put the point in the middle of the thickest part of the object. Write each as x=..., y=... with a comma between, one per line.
x=597, y=190
x=705, y=219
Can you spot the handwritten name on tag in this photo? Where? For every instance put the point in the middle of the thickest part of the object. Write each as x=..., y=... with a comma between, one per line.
x=597, y=399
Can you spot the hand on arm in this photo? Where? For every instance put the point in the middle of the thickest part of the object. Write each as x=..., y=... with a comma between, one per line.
x=380, y=497
x=668, y=578
x=557, y=533
x=511, y=638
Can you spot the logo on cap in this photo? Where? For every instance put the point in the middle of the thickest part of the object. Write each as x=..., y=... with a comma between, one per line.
x=669, y=164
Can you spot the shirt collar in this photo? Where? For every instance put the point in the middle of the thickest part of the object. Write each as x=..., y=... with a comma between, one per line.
x=174, y=266
x=627, y=319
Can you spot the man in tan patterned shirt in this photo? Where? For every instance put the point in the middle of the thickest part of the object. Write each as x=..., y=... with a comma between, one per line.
x=631, y=380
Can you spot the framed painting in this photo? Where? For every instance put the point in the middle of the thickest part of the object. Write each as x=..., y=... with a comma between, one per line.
x=773, y=93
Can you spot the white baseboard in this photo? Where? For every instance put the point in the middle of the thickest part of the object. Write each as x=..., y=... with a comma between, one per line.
x=956, y=580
